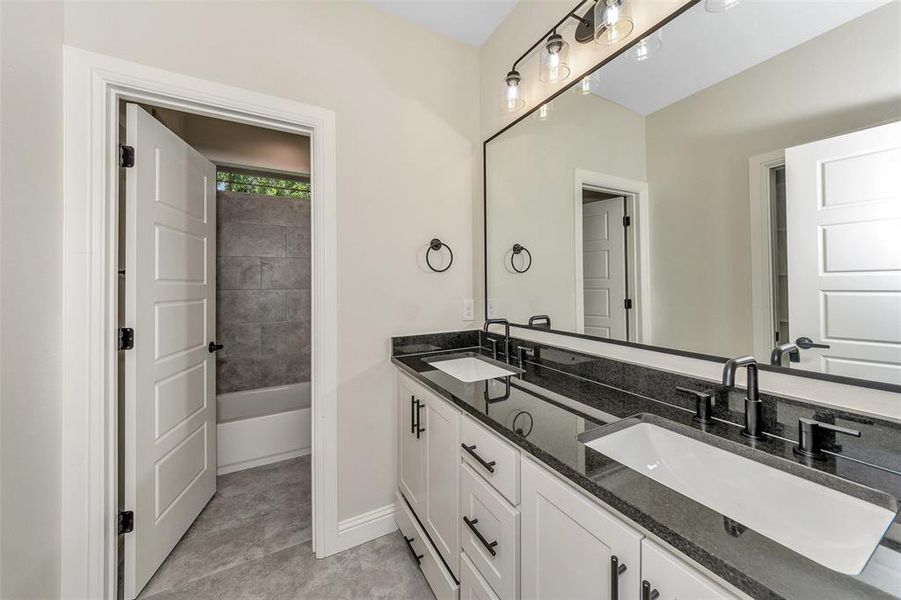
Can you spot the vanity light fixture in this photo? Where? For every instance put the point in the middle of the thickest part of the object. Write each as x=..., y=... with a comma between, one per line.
x=513, y=100
x=647, y=46
x=612, y=21
x=544, y=112
x=716, y=6
x=554, y=65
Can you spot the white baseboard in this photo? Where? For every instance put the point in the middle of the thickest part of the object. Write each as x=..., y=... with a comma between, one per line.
x=247, y=443
x=365, y=527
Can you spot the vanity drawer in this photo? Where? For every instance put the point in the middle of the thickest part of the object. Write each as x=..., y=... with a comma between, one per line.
x=490, y=533
x=492, y=458
x=472, y=585
x=443, y=585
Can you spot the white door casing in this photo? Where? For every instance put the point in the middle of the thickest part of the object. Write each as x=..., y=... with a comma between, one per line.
x=844, y=261
x=170, y=410
x=604, y=268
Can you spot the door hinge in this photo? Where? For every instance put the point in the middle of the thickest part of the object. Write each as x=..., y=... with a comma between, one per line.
x=627, y=221
x=126, y=156
x=126, y=521
x=126, y=338
x=627, y=303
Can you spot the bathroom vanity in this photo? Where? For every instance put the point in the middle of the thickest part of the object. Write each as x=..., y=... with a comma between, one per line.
x=502, y=491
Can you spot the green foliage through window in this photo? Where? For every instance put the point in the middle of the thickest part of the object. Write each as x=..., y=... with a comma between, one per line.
x=230, y=181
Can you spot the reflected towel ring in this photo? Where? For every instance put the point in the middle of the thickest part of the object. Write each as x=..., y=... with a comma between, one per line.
x=436, y=245
x=519, y=249
x=520, y=430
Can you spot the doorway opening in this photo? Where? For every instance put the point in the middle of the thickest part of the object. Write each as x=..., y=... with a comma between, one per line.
x=215, y=403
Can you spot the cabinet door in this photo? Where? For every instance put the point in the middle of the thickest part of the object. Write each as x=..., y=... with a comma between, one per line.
x=442, y=442
x=673, y=578
x=568, y=543
x=410, y=447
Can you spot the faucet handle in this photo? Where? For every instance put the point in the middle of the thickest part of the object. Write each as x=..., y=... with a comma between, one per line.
x=810, y=434
x=704, y=406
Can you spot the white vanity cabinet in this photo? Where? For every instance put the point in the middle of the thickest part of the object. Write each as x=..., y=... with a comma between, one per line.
x=673, y=579
x=428, y=470
x=569, y=543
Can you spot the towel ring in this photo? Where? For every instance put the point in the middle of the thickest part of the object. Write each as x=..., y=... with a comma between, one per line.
x=520, y=430
x=436, y=245
x=519, y=249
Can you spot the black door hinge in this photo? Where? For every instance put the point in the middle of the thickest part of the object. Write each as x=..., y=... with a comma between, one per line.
x=627, y=221
x=126, y=338
x=627, y=303
x=126, y=156
x=126, y=522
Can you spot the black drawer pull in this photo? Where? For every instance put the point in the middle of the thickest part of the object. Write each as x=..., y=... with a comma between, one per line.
x=616, y=570
x=647, y=593
x=412, y=414
x=471, y=449
x=488, y=545
x=416, y=557
x=419, y=429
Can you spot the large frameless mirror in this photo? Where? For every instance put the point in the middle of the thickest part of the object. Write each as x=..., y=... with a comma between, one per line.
x=728, y=185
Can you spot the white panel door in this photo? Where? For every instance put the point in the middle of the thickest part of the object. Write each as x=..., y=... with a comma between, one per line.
x=441, y=517
x=170, y=410
x=674, y=579
x=844, y=252
x=410, y=451
x=604, y=268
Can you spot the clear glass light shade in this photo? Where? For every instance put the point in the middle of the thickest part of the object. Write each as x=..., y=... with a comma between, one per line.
x=513, y=100
x=585, y=85
x=543, y=113
x=612, y=21
x=715, y=6
x=554, y=65
x=647, y=46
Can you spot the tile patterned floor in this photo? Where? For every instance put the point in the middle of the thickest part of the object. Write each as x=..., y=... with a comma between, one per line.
x=252, y=542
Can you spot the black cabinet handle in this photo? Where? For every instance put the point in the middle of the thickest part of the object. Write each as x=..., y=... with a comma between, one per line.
x=214, y=347
x=488, y=545
x=471, y=449
x=416, y=557
x=616, y=570
x=647, y=593
x=805, y=343
x=419, y=429
x=412, y=414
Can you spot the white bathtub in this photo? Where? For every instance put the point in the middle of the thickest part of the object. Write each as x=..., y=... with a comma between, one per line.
x=262, y=426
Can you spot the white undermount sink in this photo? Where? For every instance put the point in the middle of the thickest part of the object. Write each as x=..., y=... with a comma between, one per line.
x=471, y=367
x=835, y=529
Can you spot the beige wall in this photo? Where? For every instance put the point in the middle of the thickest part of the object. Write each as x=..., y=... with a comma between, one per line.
x=30, y=263
x=531, y=185
x=698, y=151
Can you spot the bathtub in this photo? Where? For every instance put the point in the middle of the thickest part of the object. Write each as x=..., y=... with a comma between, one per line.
x=262, y=426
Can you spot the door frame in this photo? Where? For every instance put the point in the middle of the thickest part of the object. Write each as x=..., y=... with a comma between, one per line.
x=762, y=236
x=93, y=84
x=638, y=248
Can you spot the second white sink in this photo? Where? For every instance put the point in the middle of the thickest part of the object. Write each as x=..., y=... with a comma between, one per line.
x=835, y=529
x=470, y=368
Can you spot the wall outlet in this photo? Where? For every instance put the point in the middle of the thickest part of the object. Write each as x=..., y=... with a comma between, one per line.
x=491, y=310
x=469, y=310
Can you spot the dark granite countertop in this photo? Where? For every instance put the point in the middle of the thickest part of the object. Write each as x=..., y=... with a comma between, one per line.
x=548, y=409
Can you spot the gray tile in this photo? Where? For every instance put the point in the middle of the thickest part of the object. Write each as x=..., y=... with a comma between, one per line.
x=251, y=306
x=239, y=339
x=248, y=373
x=251, y=239
x=290, y=337
x=299, y=307
x=299, y=241
x=280, y=210
x=297, y=368
x=232, y=207
x=286, y=273
x=238, y=273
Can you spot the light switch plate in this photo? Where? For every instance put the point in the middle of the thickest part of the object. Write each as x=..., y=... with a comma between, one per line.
x=469, y=310
x=491, y=311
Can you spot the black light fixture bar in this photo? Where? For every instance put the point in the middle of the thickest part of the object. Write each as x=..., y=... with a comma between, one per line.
x=570, y=15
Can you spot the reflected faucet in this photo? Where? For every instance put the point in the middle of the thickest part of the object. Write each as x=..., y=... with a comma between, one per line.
x=753, y=406
x=506, y=325
x=794, y=353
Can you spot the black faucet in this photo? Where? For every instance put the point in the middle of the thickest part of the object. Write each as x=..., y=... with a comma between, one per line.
x=506, y=325
x=753, y=406
x=794, y=353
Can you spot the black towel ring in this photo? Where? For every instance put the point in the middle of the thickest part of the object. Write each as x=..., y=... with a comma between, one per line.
x=519, y=249
x=520, y=430
x=436, y=245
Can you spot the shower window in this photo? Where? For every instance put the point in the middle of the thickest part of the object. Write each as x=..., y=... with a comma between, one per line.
x=262, y=183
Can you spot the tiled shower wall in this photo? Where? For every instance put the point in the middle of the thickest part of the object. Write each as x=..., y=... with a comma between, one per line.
x=263, y=288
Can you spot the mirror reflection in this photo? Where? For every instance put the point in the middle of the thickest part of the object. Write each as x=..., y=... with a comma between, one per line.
x=748, y=204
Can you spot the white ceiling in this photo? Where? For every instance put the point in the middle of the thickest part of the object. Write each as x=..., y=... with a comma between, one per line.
x=469, y=21
x=734, y=40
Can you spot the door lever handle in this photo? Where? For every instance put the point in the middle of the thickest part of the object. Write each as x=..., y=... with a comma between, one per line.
x=214, y=347
x=805, y=343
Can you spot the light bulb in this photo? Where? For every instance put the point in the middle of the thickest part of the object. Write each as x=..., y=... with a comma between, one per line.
x=613, y=21
x=584, y=87
x=553, y=64
x=543, y=112
x=647, y=46
x=513, y=100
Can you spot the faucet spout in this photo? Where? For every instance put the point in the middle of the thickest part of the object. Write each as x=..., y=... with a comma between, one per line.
x=794, y=354
x=506, y=325
x=753, y=406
